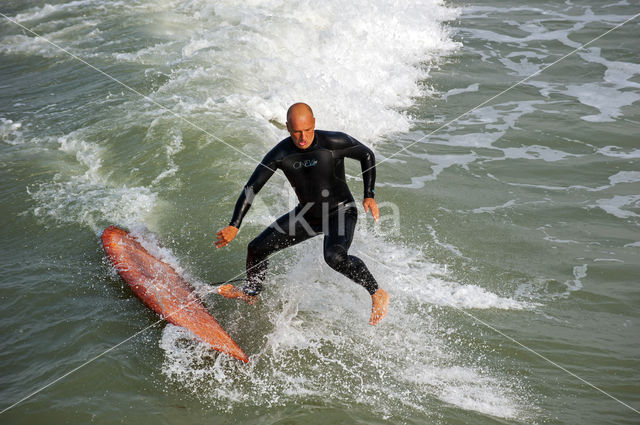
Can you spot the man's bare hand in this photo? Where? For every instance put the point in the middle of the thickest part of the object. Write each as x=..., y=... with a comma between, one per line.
x=370, y=204
x=226, y=235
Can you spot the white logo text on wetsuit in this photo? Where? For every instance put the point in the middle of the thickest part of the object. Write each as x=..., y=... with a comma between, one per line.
x=306, y=163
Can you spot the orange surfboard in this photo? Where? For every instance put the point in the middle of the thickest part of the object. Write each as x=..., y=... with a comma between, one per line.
x=163, y=290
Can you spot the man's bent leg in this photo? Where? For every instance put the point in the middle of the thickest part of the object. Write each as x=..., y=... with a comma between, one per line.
x=351, y=266
x=336, y=244
x=286, y=231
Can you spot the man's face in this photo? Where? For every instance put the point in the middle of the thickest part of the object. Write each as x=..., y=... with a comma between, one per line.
x=301, y=127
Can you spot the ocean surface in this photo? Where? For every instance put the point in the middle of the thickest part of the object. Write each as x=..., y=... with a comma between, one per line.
x=509, y=238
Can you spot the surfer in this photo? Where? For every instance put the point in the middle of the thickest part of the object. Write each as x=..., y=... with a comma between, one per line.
x=313, y=162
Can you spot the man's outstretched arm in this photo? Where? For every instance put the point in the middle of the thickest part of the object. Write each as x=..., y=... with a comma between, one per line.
x=261, y=174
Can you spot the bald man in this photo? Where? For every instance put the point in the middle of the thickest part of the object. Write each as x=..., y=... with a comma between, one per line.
x=313, y=162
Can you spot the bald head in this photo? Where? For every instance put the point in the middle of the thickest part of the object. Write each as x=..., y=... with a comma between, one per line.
x=301, y=125
x=299, y=110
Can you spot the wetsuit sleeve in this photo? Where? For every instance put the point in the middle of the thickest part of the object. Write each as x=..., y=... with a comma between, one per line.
x=356, y=150
x=261, y=174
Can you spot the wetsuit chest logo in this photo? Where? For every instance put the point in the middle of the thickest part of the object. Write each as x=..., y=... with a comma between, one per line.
x=306, y=163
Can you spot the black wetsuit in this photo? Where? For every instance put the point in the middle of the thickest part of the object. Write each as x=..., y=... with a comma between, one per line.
x=326, y=204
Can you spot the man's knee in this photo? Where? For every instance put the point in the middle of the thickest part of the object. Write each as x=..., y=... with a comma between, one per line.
x=256, y=249
x=261, y=248
x=253, y=248
x=336, y=257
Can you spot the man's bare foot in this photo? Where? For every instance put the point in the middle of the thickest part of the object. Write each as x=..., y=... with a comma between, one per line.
x=380, y=306
x=230, y=291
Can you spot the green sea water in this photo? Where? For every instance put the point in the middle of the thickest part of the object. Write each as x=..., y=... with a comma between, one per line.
x=510, y=231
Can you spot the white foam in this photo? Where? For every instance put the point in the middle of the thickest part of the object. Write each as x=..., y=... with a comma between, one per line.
x=553, y=239
x=618, y=178
x=534, y=29
x=410, y=275
x=620, y=3
x=537, y=152
x=491, y=210
x=467, y=389
x=618, y=152
x=625, y=177
x=454, y=92
x=492, y=122
x=82, y=193
x=159, y=54
x=617, y=73
x=439, y=163
x=172, y=148
x=22, y=44
x=522, y=66
x=579, y=273
x=46, y=11
x=11, y=132
x=608, y=96
x=609, y=100
x=616, y=205
x=66, y=33
x=317, y=343
x=356, y=63
x=449, y=247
